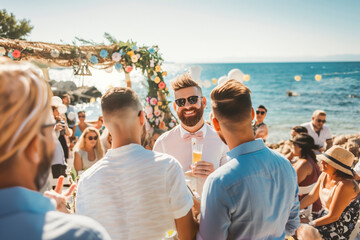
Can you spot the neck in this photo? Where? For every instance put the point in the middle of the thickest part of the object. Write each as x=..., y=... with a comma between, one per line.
x=125, y=136
x=237, y=136
x=89, y=148
x=257, y=122
x=195, y=128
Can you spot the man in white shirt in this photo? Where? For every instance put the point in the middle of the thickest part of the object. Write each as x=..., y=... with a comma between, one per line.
x=189, y=105
x=135, y=193
x=319, y=131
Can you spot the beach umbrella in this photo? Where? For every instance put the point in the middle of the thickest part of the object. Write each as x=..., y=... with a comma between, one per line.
x=236, y=74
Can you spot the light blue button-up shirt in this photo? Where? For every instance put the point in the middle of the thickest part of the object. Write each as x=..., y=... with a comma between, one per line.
x=253, y=196
x=25, y=214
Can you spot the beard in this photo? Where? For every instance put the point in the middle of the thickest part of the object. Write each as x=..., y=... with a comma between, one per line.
x=191, y=121
x=43, y=168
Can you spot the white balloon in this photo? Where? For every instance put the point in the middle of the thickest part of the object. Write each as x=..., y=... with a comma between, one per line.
x=207, y=84
x=71, y=116
x=62, y=109
x=56, y=101
x=222, y=80
x=236, y=74
x=195, y=72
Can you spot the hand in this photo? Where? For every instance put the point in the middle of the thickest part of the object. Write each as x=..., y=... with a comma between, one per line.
x=202, y=169
x=196, y=209
x=58, y=127
x=59, y=197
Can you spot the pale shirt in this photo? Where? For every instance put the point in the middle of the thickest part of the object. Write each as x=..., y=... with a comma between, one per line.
x=86, y=163
x=134, y=193
x=325, y=134
x=253, y=196
x=173, y=143
x=26, y=214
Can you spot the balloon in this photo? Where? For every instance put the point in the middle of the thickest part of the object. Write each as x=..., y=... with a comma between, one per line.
x=236, y=74
x=214, y=81
x=297, y=78
x=222, y=80
x=246, y=77
x=62, y=109
x=195, y=72
x=207, y=84
x=56, y=101
x=318, y=77
x=92, y=100
x=71, y=116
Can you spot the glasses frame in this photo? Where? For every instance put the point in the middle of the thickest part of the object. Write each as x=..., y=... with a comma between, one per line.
x=321, y=121
x=181, y=102
x=93, y=138
x=260, y=112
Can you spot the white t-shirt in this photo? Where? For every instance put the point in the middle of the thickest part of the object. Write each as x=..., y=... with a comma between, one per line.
x=134, y=193
x=320, y=140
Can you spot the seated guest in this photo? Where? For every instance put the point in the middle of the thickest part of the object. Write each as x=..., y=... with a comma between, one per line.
x=27, y=145
x=287, y=146
x=298, y=130
x=307, y=169
x=260, y=128
x=80, y=127
x=338, y=193
x=255, y=194
x=142, y=194
x=88, y=149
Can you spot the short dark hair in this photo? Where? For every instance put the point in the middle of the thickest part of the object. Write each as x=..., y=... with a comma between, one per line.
x=81, y=112
x=65, y=95
x=184, y=81
x=118, y=98
x=300, y=129
x=263, y=107
x=231, y=100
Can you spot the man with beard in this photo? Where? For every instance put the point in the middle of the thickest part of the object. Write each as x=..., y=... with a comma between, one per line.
x=255, y=195
x=27, y=144
x=189, y=105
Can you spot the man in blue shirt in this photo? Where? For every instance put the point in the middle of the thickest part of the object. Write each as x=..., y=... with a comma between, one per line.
x=27, y=144
x=254, y=195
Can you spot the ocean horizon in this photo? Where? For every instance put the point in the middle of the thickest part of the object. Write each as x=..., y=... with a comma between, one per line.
x=337, y=93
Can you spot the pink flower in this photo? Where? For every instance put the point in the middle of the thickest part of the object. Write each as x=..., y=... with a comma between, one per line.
x=148, y=109
x=171, y=124
x=162, y=85
x=157, y=113
x=116, y=56
x=153, y=101
x=149, y=115
x=128, y=68
x=16, y=53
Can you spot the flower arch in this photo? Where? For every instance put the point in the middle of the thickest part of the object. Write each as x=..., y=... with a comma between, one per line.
x=123, y=56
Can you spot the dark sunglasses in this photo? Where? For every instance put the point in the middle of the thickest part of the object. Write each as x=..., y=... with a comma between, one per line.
x=91, y=138
x=260, y=112
x=182, y=101
x=321, y=121
x=81, y=116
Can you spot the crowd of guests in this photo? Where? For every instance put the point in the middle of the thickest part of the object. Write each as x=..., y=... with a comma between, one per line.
x=134, y=186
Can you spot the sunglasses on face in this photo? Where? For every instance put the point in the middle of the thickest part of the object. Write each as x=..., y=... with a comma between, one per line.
x=321, y=121
x=91, y=138
x=260, y=112
x=182, y=101
x=81, y=116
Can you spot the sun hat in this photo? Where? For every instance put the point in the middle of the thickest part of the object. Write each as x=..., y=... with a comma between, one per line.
x=304, y=140
x=339, y=158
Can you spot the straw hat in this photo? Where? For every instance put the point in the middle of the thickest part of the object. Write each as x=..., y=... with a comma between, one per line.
x=339, y=158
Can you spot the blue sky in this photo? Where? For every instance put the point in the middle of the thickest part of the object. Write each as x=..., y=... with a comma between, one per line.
x=204, y=31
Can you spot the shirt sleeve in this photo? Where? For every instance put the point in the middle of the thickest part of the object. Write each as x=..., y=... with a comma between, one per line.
x=215, y=211
x=294, y=220
x=158, y=146
x=179, y=196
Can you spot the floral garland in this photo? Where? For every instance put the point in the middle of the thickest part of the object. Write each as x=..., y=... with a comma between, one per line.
x=123, y=56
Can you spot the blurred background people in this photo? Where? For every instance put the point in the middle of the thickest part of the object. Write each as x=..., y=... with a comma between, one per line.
x=80, y=127
x=260, y=128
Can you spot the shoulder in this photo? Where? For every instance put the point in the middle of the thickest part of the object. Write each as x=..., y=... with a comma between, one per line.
x=349, y=185
x=169, y=134
x=73, y=226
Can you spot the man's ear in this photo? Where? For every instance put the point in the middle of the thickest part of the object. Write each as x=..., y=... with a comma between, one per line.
x=174, y=105
x=142, y=118
x=253, y=113
x=204, y=101
x=33, y=149
x=216, y=124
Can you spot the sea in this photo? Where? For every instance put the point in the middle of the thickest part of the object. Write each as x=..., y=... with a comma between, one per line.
x=337, y=92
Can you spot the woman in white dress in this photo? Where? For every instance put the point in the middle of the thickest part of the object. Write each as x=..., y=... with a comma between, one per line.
x=88, y=149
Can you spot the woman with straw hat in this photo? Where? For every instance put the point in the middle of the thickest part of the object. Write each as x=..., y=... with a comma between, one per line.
x=338, y=193
x=307, y=169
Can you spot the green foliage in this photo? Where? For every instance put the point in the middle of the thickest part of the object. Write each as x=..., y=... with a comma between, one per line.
x=12, y=28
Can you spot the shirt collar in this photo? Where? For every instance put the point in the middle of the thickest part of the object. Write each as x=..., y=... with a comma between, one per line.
x=184, y=131
x=246, y=148
x=19, y=199
x=123, y=149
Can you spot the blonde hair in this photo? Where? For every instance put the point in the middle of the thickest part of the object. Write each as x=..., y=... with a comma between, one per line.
x=184, y=81
x=24, y=105
x=319, y=113
x=99, y=149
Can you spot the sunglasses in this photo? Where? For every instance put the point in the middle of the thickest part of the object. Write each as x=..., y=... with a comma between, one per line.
x=81, y=116
x=91, y=138
x=182, y=101
x=321, y=121
x=260, y=112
